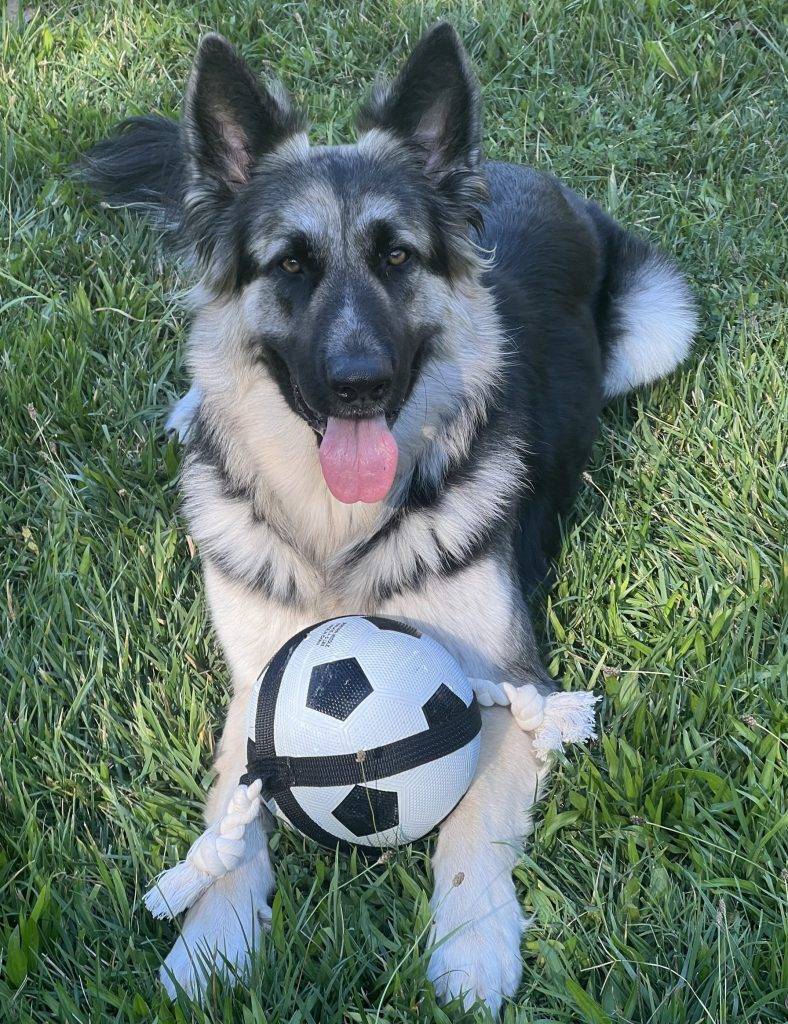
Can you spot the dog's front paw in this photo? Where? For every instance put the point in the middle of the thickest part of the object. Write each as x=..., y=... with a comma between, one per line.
x=480, y=959
x=220, y=932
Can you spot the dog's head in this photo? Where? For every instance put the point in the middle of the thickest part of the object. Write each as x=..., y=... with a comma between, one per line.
x=341, y=256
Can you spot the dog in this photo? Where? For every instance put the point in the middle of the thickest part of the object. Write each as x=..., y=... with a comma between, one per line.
x=399, y=354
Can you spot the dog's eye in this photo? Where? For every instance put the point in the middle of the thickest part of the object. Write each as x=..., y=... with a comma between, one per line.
x=291, y=265
x=397, y=257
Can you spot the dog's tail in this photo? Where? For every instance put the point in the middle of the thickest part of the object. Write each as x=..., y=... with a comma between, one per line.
x=142, y=165
x=646, y=314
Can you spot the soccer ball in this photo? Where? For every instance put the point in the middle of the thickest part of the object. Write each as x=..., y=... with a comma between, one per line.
x=363, y=731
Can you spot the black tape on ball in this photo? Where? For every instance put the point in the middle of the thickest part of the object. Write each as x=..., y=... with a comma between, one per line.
x=280, y=772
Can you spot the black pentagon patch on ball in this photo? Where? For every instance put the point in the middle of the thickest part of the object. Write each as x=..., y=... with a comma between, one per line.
x=366, y=811
x=337, y=688
x=393, y=624
x=442, y=705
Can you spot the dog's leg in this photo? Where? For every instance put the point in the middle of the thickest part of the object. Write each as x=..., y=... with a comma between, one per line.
x=477, y=919
x=222, y=928
x=181, y=417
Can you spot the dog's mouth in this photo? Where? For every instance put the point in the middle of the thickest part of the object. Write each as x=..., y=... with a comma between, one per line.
x=305, y=411
x=318, y=421
x=358, y=456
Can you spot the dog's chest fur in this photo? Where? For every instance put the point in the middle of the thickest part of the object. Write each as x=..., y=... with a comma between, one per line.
x=270, y=571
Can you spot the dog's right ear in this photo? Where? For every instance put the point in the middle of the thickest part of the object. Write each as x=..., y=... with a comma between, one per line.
x=230, y=119
x=433, y=103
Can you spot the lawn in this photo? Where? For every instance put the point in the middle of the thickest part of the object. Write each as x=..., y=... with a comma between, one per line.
x=657, y=877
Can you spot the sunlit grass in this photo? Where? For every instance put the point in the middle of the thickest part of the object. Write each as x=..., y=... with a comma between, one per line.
x=657, y=877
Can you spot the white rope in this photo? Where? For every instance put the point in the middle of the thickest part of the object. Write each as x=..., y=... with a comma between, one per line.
x=552, y=721
x=219, y=850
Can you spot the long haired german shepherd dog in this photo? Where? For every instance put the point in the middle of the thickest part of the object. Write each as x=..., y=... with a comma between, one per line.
x=399, y=355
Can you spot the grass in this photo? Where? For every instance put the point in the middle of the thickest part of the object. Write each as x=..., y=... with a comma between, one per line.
x=658, y=873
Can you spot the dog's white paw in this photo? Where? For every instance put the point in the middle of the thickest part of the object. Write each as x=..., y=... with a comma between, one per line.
x=479, y=960
x=220, y=931
x=182, y=415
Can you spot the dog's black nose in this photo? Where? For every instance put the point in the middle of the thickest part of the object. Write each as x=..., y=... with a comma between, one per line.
x=360, y=380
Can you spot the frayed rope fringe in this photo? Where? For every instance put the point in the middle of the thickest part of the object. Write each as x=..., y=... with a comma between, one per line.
x=552, y=721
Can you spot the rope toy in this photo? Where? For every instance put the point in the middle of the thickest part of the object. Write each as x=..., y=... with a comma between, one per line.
x=552, y=721
x=219, y=850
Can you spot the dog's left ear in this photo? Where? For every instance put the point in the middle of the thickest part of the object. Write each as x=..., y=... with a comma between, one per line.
x=231, y=119
x=433, y=103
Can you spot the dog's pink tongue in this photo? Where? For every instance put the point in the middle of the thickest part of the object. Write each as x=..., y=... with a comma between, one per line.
x=358, y=459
